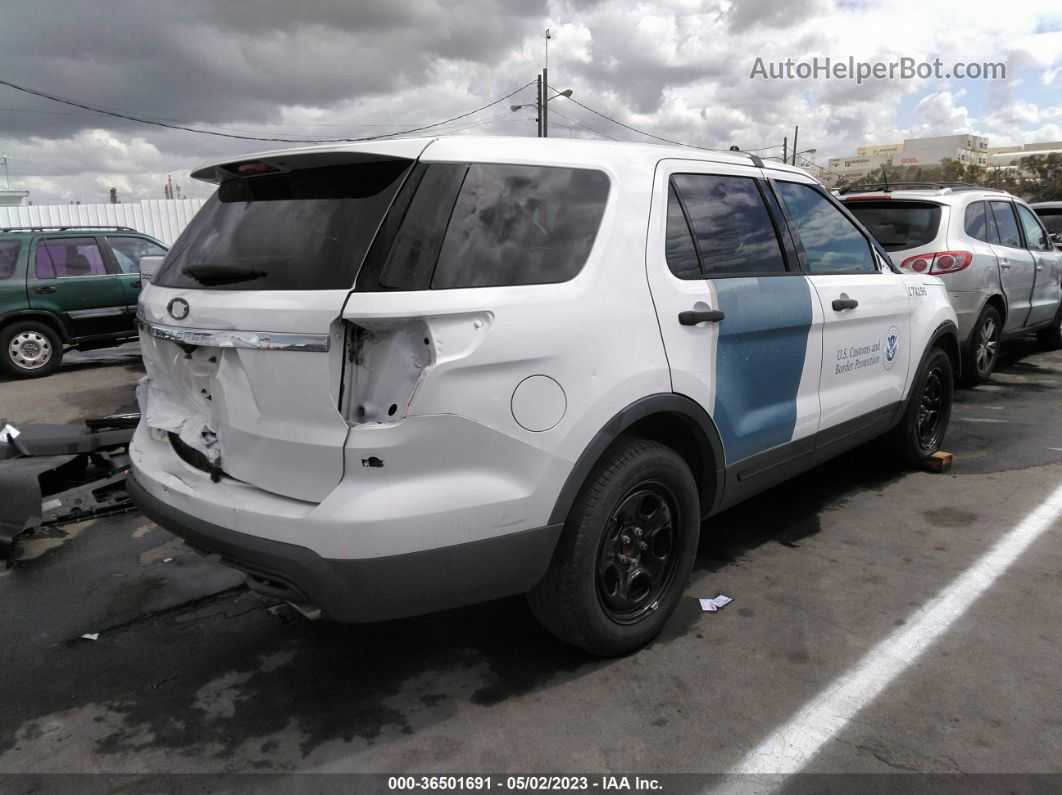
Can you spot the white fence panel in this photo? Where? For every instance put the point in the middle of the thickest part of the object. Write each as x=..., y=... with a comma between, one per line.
x=163, y=219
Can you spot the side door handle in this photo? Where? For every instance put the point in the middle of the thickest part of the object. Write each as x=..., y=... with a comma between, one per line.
x=44, y=290
x=1004, y=263
x=844, y=302
x=135, y=285
x=694, y=316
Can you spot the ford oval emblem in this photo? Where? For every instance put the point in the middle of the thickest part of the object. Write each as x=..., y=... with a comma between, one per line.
x=178, y=308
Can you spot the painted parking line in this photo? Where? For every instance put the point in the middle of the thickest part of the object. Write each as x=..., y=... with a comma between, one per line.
x=791, y=747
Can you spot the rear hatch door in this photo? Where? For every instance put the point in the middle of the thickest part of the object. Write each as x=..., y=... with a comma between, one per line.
x=240, y=327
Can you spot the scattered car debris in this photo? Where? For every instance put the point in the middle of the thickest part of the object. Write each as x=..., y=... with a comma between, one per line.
x=55, y=474
x=715, y=603
x=91, y=636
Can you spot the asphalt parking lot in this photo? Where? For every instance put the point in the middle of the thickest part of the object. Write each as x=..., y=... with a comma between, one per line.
x=191, y=673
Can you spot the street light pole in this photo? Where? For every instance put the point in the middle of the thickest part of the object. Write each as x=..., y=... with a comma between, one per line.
x=544, y=114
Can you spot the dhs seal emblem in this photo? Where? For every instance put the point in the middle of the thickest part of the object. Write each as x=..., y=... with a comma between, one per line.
x=892, y=347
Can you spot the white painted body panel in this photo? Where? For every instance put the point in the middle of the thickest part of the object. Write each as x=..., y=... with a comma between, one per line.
x=451, y=464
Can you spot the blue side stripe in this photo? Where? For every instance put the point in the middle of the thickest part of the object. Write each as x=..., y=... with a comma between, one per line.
x=759, y=360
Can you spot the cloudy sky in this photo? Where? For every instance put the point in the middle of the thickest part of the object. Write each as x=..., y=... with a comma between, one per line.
x=352, y=68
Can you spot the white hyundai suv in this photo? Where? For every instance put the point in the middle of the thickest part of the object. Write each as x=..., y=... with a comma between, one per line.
x=1003, y=273
x=390, y=378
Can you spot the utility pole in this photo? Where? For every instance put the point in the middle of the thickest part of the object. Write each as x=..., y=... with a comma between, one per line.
x=796, y=132
x=7, y=179
x=544, y=113
x=785, y=149
x=538, y=106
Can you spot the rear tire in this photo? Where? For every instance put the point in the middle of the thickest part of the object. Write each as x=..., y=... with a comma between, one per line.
x=925, y=421
x=626, y=552
x=1050, y=339
x=982, y=353
x=30, y=349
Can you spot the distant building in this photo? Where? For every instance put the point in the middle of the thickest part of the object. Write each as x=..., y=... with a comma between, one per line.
x=918, y=152
x=13, y=198
x=1010, y=156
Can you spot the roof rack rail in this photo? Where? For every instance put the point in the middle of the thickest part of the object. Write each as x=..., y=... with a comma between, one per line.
x=891, y=186
x=64, y=228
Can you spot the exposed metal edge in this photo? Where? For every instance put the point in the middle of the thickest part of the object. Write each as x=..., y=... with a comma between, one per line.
x=222, y=338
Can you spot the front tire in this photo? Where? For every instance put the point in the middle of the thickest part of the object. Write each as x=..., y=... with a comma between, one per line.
x=982, y=353
x=925, y=421
x=626, y=552
x=30, y=349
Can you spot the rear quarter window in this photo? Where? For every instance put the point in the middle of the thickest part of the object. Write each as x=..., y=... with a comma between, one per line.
x=898, y=225
x=9, y=251
x=520, y=225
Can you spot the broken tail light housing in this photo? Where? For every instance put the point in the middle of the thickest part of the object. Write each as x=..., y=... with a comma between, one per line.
x=937, y=263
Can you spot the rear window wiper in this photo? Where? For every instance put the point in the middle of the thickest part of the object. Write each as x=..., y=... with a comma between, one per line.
x=221, y=274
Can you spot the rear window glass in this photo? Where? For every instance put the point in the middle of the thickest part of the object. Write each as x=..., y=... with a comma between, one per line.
x=898, y=225
x=1052, y=219
x=8, y=257
x=67, y=257
x=307, y=229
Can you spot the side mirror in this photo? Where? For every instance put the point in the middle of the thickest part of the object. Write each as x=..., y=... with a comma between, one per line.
x=149, y=266
x=1056, y=238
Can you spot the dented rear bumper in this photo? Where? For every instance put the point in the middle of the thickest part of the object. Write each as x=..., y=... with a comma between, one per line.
x=435, y=512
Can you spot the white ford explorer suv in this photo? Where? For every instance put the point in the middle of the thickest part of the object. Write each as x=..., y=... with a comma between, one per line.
x=390, y=378
x=1002, y=271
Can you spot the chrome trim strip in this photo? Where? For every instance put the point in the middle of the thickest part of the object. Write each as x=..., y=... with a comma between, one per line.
x=256, y=340
x=77, y=314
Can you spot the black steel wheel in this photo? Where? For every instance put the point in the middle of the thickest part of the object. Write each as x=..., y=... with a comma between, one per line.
x=929, y=427
x=925, y=420
x=625, y=553
x=639, y=551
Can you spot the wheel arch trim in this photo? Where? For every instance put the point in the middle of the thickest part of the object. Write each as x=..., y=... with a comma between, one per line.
x=49, y=318
x=671, y=405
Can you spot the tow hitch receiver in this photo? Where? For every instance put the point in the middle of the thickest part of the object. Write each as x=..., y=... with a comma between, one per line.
x=56, y=474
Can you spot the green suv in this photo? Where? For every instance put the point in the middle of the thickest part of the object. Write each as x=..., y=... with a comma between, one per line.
x=67, y=287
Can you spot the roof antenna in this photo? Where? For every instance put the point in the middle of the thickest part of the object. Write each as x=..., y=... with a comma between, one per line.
x=885, y=177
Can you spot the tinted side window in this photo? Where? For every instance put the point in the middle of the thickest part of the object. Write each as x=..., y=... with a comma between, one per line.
x=129, y=250
x=731, y=225
x=415, y=249
x=69, y=256
x=520, y=225
x=976, y=223
x=678, y=246
x=1052, y=219
x=1003, y=213
x=9, y=250
x=831, y=242
x=1034, y=233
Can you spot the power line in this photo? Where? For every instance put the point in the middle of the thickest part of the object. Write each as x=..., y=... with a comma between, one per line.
x=632, y=129
x=644, y=132
x=173, y=125
x=585, y=126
